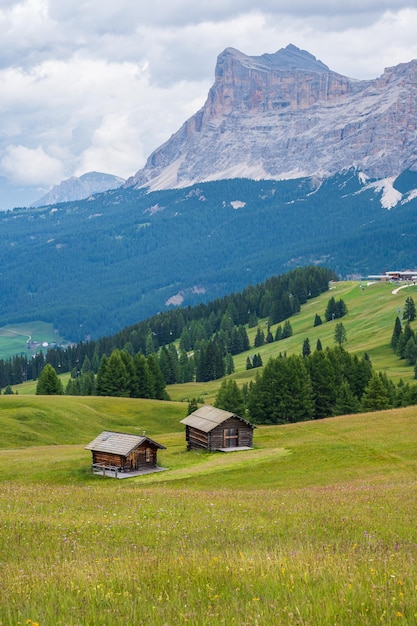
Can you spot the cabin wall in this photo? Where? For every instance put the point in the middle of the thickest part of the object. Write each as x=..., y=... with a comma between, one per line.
x=196, y=439
x=106, y=458
x=215, y=439
x=142, y=458
x=244, y=434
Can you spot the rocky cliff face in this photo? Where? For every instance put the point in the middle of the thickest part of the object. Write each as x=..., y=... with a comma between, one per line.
x=287, y=115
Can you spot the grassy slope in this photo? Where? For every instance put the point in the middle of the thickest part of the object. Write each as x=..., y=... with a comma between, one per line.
x=14, y=337
x=316, y=525
x=56, y=420
x=369, y=325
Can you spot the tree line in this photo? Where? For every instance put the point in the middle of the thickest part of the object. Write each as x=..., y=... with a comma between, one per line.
x=323, y=384
x=198, y=328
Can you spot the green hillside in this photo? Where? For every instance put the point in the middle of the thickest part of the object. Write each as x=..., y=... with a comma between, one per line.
x=65, y=420
x=372, y=309
x=76, y=264
x=315, y=525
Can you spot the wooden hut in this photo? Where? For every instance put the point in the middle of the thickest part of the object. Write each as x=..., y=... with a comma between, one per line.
x=212, y=429
x=122, y=452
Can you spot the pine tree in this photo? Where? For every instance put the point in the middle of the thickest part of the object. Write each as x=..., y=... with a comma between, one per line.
x=257, y=360
x=407, y=332
x=330, y=312
x=278, y=333
x=229, y=364
x=409, y=313
x=269, y=337
x=340, y=334
x=192, y=406
x=259, y=338
x=317, y=320
x=335, y=310
x=185, y=368
x=113, y=379
x=49, y=383
x=325, y=379
x=157, y=379
x=396, y=333
x=375, y=397
x=306, y=347
x=346, y=401
x=282, y=393
x=144, y=381
x=410, y=351
x=131, y=385
x=230, y=397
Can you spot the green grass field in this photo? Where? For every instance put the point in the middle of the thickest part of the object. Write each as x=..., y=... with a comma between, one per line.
x=314, y=526
x=369, y=325
x=14, y=338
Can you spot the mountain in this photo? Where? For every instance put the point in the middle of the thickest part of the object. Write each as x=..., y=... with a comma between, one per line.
x=336, y=163
x=76, y=188
x=94, y=266
x=287, y=115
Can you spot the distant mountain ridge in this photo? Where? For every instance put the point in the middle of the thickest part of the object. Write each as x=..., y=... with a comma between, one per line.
x=99, y=264
x=111, y=259
x=287, y=115
x=77, y=188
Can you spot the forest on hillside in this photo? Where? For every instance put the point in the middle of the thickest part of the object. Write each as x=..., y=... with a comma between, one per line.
x=95, y=266
x=215, y=329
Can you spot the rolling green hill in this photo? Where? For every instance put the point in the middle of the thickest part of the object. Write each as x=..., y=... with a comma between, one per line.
x=372, y=309
x=97, y=265
x=315, y=525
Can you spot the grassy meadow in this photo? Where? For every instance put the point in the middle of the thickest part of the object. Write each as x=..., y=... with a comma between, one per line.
x=369, y=324
x=14, y=338
x=314, y=526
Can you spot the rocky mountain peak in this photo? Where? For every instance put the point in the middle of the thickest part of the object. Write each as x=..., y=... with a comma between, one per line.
x=78, y=187
x=289, y=59
x=287, y=115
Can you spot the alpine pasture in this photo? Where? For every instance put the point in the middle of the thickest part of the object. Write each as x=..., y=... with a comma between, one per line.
x=314, y=526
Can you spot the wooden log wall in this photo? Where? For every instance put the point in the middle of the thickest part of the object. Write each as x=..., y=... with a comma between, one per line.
x=196, y=439
x=106, y=458
x=245, y=434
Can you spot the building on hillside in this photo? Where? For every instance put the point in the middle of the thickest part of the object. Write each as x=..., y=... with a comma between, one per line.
x=396, y=275
x=116, y=453
x=212, y=429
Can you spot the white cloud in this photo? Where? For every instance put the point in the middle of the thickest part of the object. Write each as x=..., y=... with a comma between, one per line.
x=98, y=85
x=31, y=167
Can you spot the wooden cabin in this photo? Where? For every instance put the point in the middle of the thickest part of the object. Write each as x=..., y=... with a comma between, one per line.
x=212, y=429
x=123, y=452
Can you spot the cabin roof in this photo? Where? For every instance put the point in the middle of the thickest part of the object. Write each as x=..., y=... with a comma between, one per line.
x=206, y=418
x=119, y=443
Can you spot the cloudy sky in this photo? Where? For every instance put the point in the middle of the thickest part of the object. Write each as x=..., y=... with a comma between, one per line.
x=98, y=85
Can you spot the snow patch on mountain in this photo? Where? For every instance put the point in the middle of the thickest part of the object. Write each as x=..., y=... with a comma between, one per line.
x=238, y=204
x=390, y=196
